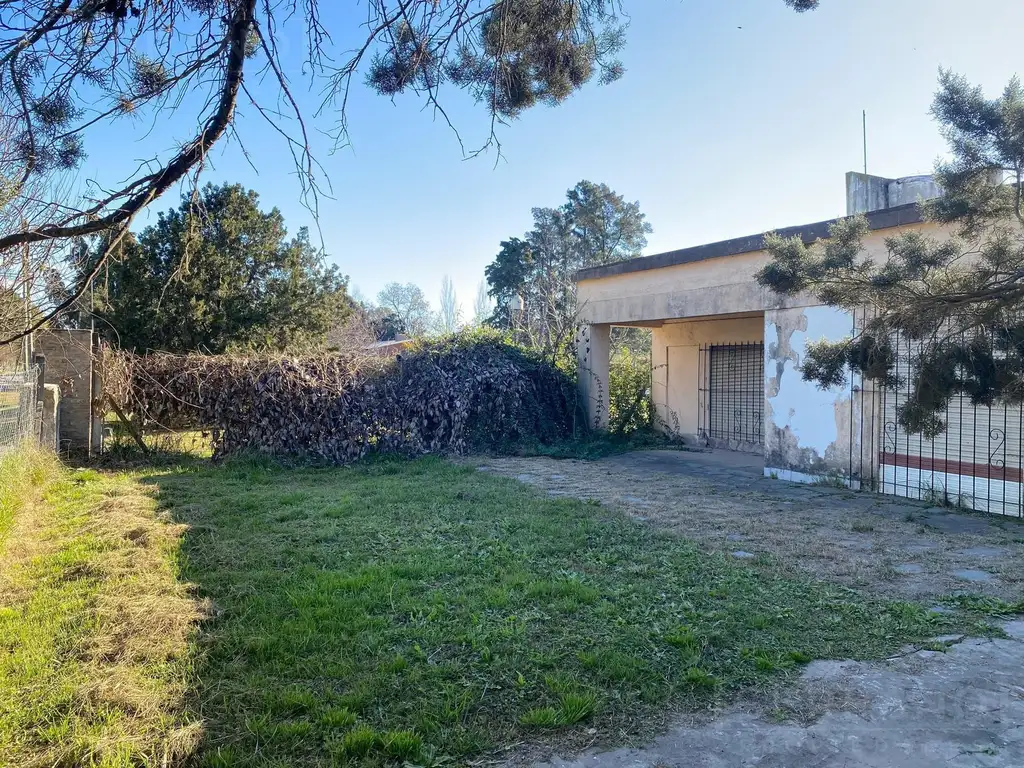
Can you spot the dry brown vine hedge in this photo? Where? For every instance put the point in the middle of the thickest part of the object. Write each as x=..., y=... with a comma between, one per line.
x=466, y=392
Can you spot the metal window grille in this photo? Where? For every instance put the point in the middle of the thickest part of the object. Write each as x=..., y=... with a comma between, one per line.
x=19, y=411
x=731, y=395
x=974, y=463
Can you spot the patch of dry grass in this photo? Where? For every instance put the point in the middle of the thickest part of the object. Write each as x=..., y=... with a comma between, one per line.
x=93, y=621
x=22, y=473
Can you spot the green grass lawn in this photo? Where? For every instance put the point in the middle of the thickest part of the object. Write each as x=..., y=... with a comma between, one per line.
x=425, y=612
x=395, y=611
x=94, y=622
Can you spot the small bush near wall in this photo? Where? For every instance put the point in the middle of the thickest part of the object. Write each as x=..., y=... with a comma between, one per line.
x=471, y=391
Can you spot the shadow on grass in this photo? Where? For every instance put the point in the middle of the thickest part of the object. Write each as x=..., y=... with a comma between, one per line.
x=424, y=612
x=168, y=449
x=597, y=445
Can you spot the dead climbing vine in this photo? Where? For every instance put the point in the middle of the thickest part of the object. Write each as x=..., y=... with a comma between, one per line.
x=471, y=392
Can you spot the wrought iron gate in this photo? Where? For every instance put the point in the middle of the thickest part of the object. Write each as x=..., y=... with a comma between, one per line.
x=730, y=407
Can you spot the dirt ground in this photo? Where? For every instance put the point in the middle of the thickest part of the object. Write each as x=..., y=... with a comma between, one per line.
x=882, y=544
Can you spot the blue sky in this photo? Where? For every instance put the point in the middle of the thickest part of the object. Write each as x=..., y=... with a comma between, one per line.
x=733, y=117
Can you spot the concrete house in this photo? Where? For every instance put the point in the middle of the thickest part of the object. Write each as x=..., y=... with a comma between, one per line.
x=726, y=355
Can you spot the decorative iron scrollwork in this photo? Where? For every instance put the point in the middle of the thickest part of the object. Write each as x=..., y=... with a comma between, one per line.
x=891, y=433
x=996, y=434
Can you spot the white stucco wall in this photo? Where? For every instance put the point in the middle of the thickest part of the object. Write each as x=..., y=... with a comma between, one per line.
x=808, y=431
x=984, y=494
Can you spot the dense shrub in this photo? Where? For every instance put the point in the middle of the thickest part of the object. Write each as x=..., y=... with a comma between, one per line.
x=630, y=405
x=471, y=391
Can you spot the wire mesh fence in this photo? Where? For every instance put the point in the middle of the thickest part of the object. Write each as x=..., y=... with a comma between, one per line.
x=20, y=412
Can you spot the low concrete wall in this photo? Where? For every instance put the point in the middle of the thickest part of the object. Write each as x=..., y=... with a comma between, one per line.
x=71, y=365
x=866, y=193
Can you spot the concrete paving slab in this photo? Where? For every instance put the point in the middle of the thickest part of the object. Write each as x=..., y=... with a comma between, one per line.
x=962, y=708
x=920, y=547
x=958, y=523
x=983, y=552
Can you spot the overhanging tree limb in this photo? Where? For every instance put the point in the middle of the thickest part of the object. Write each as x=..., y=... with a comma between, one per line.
x=157, y=183
x=70, y=68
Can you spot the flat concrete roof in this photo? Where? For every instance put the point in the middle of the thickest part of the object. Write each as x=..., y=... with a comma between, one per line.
x=887, y=218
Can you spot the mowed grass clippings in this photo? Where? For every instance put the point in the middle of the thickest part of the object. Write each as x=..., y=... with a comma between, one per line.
x=419, y=612
x=94, y=623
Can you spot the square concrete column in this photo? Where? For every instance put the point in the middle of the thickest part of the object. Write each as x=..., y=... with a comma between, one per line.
x=592, y=353
x=50, y=429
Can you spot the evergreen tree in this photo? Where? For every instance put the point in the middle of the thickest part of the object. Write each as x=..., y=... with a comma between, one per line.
x=216, y=276
x=958, y=301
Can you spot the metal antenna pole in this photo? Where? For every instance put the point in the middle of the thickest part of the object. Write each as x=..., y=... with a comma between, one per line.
x=864, y=125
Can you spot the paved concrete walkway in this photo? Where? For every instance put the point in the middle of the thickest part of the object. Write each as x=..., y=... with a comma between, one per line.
x=963, y=708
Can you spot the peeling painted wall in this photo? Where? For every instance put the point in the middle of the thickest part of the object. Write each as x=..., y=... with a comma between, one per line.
x=807, y=430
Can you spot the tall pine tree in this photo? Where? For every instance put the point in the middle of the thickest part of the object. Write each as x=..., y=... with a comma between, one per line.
x=959, y=301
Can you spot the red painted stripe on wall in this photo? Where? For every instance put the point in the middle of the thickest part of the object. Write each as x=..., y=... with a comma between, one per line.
x=1011, y=474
